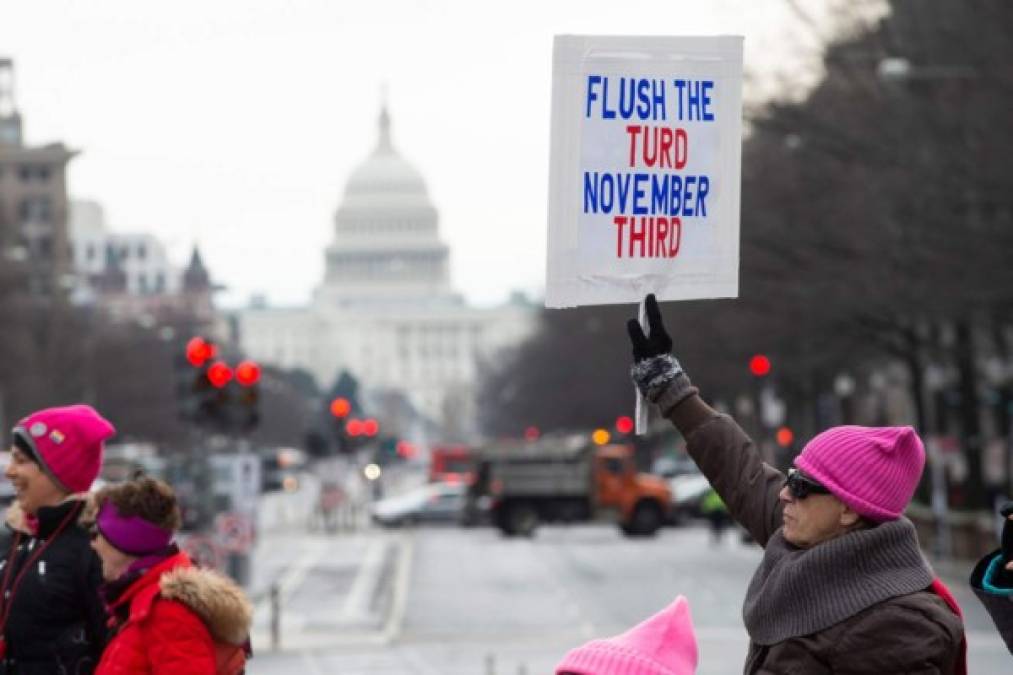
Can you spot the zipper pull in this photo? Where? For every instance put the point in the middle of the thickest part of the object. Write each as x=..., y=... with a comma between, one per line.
x=42, y=568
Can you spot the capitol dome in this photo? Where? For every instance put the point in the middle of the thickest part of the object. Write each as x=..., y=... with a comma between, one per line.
x=385, y=174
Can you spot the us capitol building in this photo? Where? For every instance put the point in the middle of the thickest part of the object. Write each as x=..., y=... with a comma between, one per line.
x=386, y=311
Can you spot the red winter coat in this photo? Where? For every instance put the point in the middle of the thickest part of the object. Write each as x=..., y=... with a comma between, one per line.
x=177, y=614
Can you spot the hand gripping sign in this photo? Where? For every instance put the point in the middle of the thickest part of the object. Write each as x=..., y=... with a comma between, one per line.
x=644, y=175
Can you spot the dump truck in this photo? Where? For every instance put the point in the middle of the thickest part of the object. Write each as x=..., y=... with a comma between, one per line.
x=566, y=479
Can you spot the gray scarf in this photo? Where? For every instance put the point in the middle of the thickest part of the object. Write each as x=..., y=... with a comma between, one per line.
x=797, y=592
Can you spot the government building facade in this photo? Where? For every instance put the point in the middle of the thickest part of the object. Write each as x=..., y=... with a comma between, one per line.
x=386, y=311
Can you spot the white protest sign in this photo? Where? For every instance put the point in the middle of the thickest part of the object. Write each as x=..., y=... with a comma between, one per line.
x=644, y=177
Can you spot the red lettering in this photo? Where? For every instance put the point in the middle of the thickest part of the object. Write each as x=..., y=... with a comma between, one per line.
x=661, y=234
x=676, y=237
x=633, y=130
x=638, y=234
x=650, y=153
x=666, y=147
x=681, y=144
x=620, y=222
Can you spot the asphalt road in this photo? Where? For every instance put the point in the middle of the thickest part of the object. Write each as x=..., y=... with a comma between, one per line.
x=451, y=601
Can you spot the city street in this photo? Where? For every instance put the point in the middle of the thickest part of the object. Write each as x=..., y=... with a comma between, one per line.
x=444, y=600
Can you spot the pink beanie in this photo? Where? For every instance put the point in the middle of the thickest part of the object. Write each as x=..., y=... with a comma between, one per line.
x=664, y=644
x=67, y=443
x=874, y=470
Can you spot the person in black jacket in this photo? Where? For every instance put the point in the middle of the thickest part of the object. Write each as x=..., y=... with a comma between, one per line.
x=992, y=580
x=52, y=619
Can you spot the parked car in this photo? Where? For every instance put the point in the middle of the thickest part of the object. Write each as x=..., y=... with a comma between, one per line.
x=433, y=502
x=687, y=491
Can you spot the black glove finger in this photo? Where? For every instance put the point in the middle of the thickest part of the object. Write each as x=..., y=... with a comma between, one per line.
x=637, y=337
x=654, y=322
x=660, y=339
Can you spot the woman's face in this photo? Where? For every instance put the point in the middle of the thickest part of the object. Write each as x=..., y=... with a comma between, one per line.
x=33, y=488
x=114, y=562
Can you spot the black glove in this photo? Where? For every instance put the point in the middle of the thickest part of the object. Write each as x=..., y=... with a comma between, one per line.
x=657, y=374
x=655, y=344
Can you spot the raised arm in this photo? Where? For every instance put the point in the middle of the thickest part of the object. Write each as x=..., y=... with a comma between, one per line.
x=722, y=450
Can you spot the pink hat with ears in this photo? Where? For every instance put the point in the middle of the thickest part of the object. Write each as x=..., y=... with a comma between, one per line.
x=664, y=644
x=67, y=443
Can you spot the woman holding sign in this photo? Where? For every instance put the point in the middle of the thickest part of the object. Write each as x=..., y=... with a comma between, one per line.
x=843, y=586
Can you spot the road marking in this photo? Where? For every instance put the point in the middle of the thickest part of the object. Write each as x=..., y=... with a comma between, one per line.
x=402, y=580
x=360, y=596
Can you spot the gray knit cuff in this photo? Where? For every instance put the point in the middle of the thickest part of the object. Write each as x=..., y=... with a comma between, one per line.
x=662, y=381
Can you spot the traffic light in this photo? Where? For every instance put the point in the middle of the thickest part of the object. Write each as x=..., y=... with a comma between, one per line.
x=624, y=424
x=759, y=365
x=213, y=394
x=340, y=407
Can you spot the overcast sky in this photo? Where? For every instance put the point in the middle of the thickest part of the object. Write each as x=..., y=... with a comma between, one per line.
x=235, y=123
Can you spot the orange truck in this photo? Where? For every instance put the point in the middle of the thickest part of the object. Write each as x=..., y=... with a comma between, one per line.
x=567, y=479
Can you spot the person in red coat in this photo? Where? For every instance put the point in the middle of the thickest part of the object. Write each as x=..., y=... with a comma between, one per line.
x=167, y=616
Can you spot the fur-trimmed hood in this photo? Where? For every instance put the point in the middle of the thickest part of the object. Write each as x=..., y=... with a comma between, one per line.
x=215, y=598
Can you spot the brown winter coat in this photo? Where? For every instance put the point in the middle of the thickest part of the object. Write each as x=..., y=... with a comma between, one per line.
x=913, y=633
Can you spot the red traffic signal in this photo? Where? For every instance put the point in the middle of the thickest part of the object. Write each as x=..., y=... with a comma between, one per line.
x=405, y=449
x=353, y=427
x=759, y=365
x=532, y=433
x=370, y=427
x=247, y=373
x=199, y=351
x=219, y=374
x=340, y=407
x=624, y=424
x=785, y=437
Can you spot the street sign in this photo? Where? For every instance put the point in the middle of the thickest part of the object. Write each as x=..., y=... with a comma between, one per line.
x=235, y=532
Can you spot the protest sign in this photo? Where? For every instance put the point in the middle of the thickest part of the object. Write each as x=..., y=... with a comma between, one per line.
x=644, y=176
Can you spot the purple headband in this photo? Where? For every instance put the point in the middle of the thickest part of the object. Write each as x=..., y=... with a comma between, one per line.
x=133, y=535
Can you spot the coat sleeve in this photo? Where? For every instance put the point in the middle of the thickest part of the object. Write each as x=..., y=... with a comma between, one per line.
x=999, y=608
x=732, y=464
x=178, y=642
x=898, y=640
x=95, y=615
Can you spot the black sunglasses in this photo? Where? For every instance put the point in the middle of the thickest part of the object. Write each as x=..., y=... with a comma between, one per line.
x=801, y=486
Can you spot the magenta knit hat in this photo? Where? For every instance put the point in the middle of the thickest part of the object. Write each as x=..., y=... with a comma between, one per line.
x=67, y=443
x=874, y=470
x=664, y=644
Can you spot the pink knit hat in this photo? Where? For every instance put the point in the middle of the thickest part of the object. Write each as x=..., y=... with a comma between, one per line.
x=874, y=470
x=664, y=644
x=67, y=443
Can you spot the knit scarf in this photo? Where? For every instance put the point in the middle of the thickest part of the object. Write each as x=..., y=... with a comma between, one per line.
x=797, y=592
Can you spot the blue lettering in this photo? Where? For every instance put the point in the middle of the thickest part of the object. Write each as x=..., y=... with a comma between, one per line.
x=659, y=98
x=705, y=97
x=591, y=95
x=644, y=104
x=605, y=112
x=624, y=190
x=687, y=196
x=681, y=86
x=590, y=192
x=676, y=202
x=704, y=185
x=607, y=189
x=659, y=193
x=626, y=101
x=638, y=193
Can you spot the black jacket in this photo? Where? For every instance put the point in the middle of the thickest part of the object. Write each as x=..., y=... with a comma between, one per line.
x=1000, y=608
x=57, y=621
